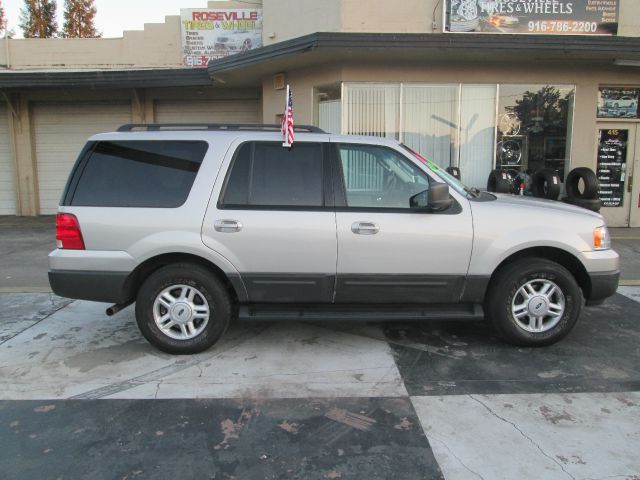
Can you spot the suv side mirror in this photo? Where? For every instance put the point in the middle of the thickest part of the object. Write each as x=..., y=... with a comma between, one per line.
x=438, y=197
x=419, y=200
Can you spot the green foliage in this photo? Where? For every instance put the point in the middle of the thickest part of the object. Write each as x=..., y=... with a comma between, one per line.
x=79, y=19
x=3, y=20
x=38, y=19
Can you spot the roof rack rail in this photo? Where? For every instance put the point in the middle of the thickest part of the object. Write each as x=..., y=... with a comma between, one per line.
x=156, y=127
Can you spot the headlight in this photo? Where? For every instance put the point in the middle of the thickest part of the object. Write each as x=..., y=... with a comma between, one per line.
x=601, y=238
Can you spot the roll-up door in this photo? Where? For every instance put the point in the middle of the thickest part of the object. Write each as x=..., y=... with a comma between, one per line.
x=207, y=111
x=61, y=130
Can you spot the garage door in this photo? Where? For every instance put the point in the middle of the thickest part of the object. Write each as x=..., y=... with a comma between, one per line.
x=7, y=181
x=61, y=130
x=207, y=111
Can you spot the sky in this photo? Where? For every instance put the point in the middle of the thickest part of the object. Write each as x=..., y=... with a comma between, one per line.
x=114, y=16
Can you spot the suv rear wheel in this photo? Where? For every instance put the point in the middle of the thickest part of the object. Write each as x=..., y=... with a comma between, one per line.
x=182, y=309
x=534, y=302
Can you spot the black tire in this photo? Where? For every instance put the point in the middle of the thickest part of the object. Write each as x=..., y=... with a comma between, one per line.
x=593, y=204
x=546, y=184
x=208, y=287
x=454, y=172
x=504, y=288
x=499, y=182
x=589, y=179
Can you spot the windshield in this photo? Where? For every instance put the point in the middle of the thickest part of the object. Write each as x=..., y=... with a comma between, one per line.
x=452, y=181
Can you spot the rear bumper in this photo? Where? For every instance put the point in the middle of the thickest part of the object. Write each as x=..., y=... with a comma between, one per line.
x=602, y=286
x=108, y=287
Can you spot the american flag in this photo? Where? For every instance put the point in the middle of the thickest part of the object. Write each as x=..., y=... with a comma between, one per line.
x=287, y=120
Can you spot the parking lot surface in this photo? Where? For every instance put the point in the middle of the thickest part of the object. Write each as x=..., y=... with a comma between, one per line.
x=82, y=395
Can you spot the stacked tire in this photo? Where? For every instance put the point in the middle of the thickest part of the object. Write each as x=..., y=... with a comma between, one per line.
x=499, y=181
x=454, y=172
x=587, y=197
x=546, y=183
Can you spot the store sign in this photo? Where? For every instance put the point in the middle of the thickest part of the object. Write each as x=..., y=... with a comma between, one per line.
x=612, y=166
x=549, y=17
x=618, y=103
x=209, y=34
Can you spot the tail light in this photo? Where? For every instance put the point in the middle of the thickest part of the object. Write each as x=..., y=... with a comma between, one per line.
x=68, y=234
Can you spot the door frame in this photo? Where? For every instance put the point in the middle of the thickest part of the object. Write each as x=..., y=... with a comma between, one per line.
x=628, y=215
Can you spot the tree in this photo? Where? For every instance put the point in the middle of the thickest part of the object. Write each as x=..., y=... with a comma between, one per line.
x=3, y=21
x=79, y=19
x=38, y=19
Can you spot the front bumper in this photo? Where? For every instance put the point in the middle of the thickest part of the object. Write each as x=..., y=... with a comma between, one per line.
x=108, y=287
x=602, y=285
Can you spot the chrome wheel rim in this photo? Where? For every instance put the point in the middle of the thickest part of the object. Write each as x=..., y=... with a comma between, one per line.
x=538, y=306
x=181, y=312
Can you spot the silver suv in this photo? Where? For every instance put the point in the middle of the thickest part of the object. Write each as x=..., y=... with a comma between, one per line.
x=201, y=224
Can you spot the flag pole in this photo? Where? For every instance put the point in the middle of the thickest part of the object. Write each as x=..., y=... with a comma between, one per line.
x=285, y=119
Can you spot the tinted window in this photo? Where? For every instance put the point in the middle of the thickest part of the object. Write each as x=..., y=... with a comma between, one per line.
x=378, y=177
x=266, y=174
x=139, y=174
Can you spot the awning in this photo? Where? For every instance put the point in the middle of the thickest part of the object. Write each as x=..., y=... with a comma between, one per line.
x=413, y=48
x=103, y=79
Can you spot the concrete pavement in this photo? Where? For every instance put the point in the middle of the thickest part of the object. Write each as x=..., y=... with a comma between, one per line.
x=84, y=396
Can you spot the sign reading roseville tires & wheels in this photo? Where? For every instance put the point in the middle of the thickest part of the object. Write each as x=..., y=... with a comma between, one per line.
x=612, y=166
x=209, y=34
x=548, y=17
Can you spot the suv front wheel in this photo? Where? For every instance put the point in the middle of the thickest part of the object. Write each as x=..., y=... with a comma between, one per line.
x=182, y=309
x=534, y=302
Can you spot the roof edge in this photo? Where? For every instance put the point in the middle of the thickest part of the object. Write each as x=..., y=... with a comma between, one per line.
x=442, y=41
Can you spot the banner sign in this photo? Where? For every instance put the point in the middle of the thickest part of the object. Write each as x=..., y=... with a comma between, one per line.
x=618, y=103
x=612, y=166
x=548, y=17
x=209, y=34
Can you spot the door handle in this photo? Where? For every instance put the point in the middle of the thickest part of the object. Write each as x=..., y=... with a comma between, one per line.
x=227, y=226
x=365, y=228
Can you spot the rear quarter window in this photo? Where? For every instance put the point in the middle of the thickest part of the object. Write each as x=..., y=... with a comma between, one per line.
x=156, y=174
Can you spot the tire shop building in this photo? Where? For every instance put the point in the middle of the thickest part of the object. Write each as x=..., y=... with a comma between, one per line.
x=517, y=85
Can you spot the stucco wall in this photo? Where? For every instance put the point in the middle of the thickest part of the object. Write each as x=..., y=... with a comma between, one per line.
x=158, y=45
x=286, y=19
x=629, y=23
x=302, y=84
x=406, y=16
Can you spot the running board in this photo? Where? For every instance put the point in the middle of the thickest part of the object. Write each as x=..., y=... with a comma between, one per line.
x=365, y=313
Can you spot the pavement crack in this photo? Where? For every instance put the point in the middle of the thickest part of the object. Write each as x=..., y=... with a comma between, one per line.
x=37, y=322
x=431, y=437
x=535, y=444
x=625, y=476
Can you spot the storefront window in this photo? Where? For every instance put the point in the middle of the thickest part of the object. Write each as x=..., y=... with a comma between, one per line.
x=477, y=133
x=372, y=109
x=474, y=127
x=534, y=127
x=430, y=121
x=328, y=107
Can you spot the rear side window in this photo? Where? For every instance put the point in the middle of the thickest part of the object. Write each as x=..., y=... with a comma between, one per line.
x=155, y=174
x=268, y=175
